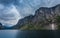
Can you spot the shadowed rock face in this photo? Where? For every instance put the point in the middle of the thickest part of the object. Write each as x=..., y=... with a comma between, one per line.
x=1, y=27
x=47, y=13
x=23, y=21
x=42, y=15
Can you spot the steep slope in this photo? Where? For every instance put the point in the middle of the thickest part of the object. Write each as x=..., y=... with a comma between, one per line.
x=42, y=19
x=22, y=22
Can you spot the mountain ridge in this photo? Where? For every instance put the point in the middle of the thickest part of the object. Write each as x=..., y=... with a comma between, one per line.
x=42, y=18
x=43, y=14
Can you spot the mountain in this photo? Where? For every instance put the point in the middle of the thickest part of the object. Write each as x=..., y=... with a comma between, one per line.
x=0, y=25
x=42, y=18
x=23, y=21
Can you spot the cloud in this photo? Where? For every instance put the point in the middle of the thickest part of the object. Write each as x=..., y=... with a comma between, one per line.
x=7, y=1
x=27, y=10
x=9, y=15
x=1, y=6
x=13, y=10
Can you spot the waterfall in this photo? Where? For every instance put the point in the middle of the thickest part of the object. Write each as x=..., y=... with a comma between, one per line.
x=53, y=26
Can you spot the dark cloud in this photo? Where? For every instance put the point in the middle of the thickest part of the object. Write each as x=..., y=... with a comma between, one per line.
x=8, y=2
x=22, y=7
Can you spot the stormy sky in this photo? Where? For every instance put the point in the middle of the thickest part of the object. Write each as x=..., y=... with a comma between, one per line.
x=13, y=10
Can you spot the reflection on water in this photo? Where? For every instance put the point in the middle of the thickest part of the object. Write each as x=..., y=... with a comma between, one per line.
x=29, y=34
x=8, y=33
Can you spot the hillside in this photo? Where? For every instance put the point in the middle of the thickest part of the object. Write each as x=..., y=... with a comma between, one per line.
x=41, y=20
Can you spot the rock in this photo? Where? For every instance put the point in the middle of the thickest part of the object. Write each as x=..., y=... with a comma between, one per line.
x=43, y=16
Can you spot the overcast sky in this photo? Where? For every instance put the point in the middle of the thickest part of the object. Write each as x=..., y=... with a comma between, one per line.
x=13, y=10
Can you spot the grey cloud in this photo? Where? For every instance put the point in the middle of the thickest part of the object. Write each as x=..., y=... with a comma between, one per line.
x=9, y=15
x=23, y=8
x=7, y=1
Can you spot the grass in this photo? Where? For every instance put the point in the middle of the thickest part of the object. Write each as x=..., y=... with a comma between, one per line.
x=38, y=26
x=31, y=27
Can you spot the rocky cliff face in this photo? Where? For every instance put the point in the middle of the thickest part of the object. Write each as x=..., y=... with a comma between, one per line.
x=47, y=13
x=43, y=16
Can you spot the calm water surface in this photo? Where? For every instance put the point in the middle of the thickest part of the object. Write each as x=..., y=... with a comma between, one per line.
x=29, y=34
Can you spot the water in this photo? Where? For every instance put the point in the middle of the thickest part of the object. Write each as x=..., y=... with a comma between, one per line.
x=8, y=33
x=29, y=34
x=53, y=27
x=39, y=34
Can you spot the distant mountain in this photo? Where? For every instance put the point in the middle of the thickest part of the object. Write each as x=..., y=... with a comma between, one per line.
x=0, y=25
x=43, y=17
